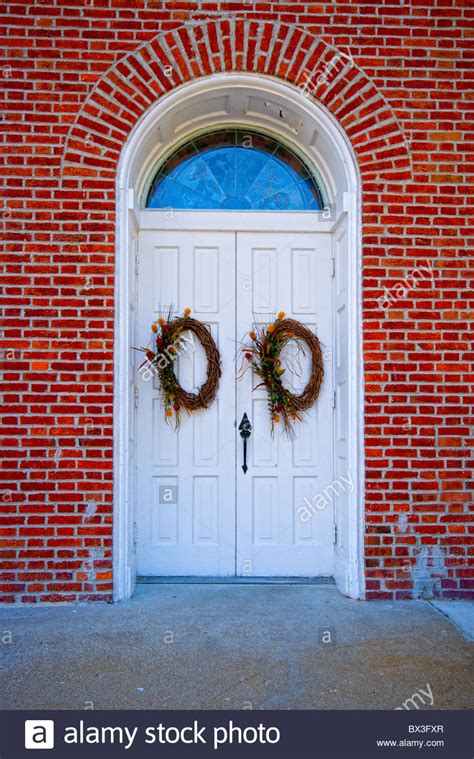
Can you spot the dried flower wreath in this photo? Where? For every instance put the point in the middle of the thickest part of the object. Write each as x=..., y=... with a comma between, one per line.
x=263, y=355
x=169, y=342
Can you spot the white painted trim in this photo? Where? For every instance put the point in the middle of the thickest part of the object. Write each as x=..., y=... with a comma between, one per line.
x=120, y=559
x=230, y=221
x=321, y=139
x=356, y=578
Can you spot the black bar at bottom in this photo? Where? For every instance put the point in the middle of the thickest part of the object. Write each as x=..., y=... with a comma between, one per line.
x=278, y=734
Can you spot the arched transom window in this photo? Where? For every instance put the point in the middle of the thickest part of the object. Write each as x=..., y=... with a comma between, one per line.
x=234, y=169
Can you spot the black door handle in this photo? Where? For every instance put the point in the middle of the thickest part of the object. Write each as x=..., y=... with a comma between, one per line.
x=245, y=431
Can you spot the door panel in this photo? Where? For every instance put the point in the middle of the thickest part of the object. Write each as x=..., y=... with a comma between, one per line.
x=186, y=478
x=275, y=537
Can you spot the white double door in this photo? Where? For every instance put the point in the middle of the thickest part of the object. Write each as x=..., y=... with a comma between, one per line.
x=198, y=513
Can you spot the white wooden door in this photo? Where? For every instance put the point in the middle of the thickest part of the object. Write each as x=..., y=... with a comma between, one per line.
x=197, y=512
x=186, y=478
x=284, y=519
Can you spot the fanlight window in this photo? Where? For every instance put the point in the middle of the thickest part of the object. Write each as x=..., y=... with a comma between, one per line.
x=234, y=170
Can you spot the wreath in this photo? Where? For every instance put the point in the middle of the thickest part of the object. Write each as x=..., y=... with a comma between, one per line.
x=170, y=341
x=263, y=355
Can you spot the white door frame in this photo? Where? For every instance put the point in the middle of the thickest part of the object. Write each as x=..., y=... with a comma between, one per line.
x=256, y=102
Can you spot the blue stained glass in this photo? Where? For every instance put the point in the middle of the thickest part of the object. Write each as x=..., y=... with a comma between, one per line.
x=234, y=170
x=247, y=168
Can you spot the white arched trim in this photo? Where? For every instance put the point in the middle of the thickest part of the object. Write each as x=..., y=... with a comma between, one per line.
x=286, y=112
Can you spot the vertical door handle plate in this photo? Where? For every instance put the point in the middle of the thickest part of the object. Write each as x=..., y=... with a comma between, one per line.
x=245, y=429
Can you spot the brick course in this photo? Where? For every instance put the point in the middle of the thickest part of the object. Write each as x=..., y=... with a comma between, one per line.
x=76, y=79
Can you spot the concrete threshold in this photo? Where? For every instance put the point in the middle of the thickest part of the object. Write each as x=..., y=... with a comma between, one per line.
x=181, y=580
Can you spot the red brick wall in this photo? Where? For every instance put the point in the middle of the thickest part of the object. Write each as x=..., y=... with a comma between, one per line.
x=77, y=76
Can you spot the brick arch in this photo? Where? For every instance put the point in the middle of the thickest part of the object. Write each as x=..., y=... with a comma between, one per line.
x=131, y=86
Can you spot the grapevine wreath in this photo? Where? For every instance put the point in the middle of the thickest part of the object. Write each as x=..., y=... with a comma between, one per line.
x=169, y=342
x=263, y=355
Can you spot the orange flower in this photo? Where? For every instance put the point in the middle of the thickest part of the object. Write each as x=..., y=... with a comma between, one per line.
x=281, y=315
x=252, y=335
x=187, y=311
x=169, y=412
x=154, y=328
x=271, y=328
x=161, y=321
x=276, y=419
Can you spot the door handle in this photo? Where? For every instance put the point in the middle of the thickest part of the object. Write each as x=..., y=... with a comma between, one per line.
x=245, y=431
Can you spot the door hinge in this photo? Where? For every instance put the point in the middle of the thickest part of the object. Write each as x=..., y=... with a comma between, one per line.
x=135, y=534
x=333, y=267
x=334, y=537
x=333, y=400
x=135, y=395
x=137, y=263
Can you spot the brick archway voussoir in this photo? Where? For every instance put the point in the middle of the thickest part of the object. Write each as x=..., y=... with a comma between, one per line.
x=130, y=87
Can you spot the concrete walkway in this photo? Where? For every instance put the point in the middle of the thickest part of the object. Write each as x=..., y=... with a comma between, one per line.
x=459, y=612
x=242, y=647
